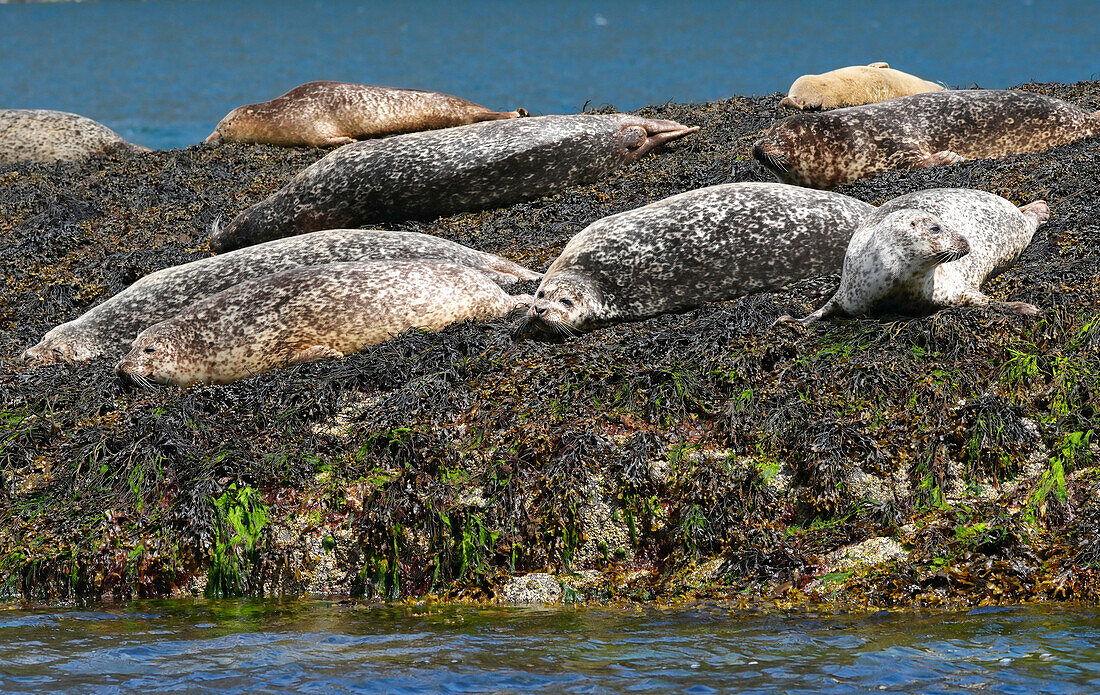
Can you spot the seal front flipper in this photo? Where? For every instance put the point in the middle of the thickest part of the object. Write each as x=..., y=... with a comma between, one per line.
x=314, y=353
x=815, y=103
x=1017, y=308
x=791, y=103
x=941, y=158
x=524, y=301
x=334, y=140
x=830, y=308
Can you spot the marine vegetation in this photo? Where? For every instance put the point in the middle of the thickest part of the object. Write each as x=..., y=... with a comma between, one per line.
x=949, y=459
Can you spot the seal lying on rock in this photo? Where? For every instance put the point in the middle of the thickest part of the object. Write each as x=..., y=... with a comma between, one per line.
x=112, y=326
x=308, y=314
x=932, y=249
x=853, y=86
x=40, y=135
x=703, y=245
x=824, y=150
x=425, y=175
x=317, y=114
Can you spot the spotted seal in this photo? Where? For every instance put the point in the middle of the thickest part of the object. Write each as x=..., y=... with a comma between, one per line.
x=307, y=314
x=853, y=86
x=932, y=249
x=703, y=245
x=826, y=149
x=110, y=327
x=44, y=136
x=441, y=172
x=318, y=114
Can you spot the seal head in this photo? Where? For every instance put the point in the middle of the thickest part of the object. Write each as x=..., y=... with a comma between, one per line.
x=564, y=306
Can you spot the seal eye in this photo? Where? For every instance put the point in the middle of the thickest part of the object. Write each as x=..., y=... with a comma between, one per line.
x=540, y=295
x=936, y=229
x=566, y=302
x=149, y=350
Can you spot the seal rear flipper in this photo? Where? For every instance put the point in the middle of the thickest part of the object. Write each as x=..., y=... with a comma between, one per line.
x=314, y=353
x=507, y=273
x=1038, y=212
x=500, y=115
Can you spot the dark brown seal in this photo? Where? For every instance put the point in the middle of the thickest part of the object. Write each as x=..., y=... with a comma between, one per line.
x=441, y=172
x=335, y=113
x=826, y=149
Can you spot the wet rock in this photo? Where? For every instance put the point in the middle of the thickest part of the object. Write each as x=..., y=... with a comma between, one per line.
x=536, y=587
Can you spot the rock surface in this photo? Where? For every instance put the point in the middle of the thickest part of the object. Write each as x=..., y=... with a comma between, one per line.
x=703, y=454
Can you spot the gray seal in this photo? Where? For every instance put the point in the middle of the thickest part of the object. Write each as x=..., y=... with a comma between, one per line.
x=441, y=172
x=44, y=136
x=826, y=149
x=704, y=245
x=932, y=249
x=308, y=314
x=110, y=327
x=318, y=114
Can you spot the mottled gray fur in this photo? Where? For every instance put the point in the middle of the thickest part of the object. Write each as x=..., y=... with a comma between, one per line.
x=40, y=135
x=441, y=172
x=932, y=249
x=826, y=149
x=306, y=314
x=112, y=326
x=700, y=246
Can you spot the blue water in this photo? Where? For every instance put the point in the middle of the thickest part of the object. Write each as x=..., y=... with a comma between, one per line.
x=272, y=646
x=162, y=73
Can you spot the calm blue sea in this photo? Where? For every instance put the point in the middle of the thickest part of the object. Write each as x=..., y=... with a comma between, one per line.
x=317, y=647
x=163, y=72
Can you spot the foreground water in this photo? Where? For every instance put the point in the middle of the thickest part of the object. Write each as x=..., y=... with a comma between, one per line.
x=269, y=646
x=163, y=72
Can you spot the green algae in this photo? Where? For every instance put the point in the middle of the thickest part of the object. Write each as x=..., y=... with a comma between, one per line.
x=700, y=454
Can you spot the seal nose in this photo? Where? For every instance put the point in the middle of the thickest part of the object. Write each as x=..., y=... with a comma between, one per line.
x=122, y=372
x=758, y=152
x=540, y=310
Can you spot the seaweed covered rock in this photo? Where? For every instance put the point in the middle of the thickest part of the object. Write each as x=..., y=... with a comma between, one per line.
x=696, y=454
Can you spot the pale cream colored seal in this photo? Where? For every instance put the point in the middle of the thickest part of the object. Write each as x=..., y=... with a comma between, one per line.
x=852, y=86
